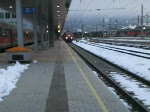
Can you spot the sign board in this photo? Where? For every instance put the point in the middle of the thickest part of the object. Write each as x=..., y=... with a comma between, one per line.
x=29, y=10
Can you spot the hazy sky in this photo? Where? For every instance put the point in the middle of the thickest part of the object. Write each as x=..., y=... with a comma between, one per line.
x=122, y=10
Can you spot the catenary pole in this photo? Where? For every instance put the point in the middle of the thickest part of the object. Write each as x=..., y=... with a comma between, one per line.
x=103, y=27
x=142, y=22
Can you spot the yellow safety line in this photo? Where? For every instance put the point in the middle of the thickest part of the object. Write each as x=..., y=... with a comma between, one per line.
x=99, y=100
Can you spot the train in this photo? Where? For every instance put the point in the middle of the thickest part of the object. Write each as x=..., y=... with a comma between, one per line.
x=8, y=36
x=68, y=36
x=114, y=33
x=131, y=32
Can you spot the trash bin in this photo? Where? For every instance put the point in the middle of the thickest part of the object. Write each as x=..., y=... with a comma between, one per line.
x=21, y=54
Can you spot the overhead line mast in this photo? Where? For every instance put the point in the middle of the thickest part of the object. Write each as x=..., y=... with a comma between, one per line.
x=142, y=21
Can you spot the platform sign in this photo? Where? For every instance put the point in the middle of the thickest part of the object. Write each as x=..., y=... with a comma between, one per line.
x=29, y=10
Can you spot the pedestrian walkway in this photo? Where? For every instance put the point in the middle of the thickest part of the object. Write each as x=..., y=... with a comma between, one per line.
x=59, y=82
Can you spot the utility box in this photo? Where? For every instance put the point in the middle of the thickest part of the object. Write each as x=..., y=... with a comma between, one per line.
x=21, y=54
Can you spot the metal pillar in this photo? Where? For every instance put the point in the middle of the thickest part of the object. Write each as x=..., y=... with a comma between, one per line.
x=82, y=31
x=56, y=20
x=142, y=22
x=147, y=18
x=46, y=38
x=103, y=27
x=19, y=23
x=42, y=21
x=138, y=20
x=116, y=27
x=96, y=30
x=42, y=32
x=50, y=23
x=35, y=33
x=110, y=27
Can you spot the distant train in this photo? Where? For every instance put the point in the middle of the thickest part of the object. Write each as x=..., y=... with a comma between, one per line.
x=114, y=33
x=130, y=33
x=68, y=36
x=8, y=36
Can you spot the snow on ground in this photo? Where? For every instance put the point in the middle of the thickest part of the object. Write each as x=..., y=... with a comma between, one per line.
x=124, y=47
x=142, y=93
x=114, y=92
x=137, y=65
x=9, y=78
x=132, y=39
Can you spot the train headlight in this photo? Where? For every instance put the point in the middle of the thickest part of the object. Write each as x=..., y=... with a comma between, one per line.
x=66, y=37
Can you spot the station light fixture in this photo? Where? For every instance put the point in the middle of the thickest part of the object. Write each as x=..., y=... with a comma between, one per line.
x=58, y=6
x=59, y=31
x=58, y=26
x=58, y=11
x=10, y=7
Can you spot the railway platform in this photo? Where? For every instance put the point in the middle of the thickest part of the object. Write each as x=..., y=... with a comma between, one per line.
x=60, y=81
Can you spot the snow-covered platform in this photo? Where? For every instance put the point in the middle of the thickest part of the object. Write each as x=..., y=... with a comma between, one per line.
x=59, y=81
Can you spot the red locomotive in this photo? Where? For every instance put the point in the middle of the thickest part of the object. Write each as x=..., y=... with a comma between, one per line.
x=68, y=36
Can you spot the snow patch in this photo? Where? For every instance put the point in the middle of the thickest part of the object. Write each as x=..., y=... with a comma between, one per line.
x=9, y=78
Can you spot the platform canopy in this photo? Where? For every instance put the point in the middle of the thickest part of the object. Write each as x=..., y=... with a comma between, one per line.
x=47, y=10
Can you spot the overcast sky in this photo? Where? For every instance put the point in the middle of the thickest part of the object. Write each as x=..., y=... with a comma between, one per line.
x=122, y=10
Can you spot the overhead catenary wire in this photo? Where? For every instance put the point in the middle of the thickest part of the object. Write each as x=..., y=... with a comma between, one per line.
x=129, y=8
x=125, y=6
x=81, y=9
x=126, y=13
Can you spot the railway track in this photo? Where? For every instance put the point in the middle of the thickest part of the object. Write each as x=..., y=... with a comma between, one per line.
x=105, y=69
x=121, y=50
x=134, y=42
